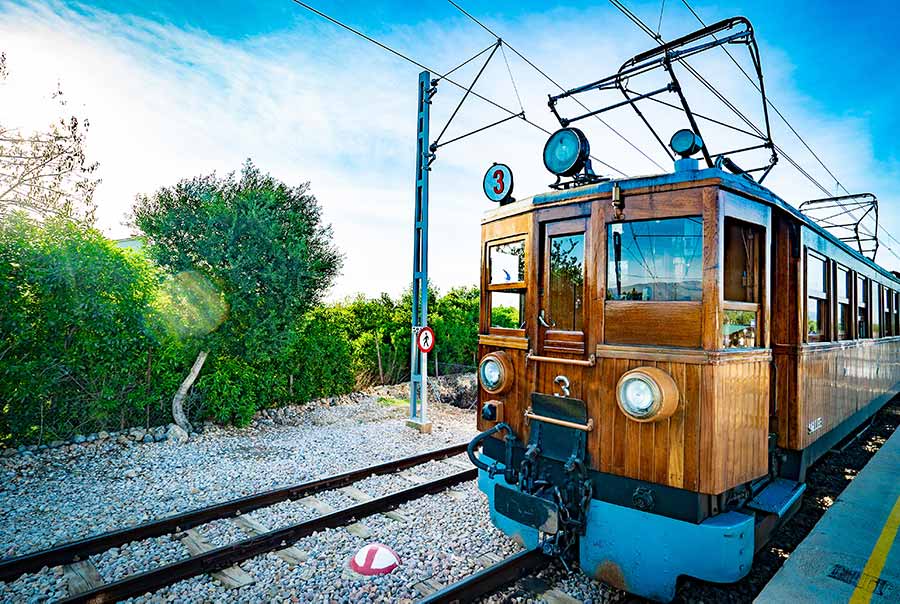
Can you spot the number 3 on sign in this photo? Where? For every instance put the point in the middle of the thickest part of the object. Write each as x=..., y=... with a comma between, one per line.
x=498, y=183
x=498, y=178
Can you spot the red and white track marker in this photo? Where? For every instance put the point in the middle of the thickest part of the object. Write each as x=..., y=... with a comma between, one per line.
x=375, y=559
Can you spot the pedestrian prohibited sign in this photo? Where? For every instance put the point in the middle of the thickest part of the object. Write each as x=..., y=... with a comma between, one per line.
x=425, y=339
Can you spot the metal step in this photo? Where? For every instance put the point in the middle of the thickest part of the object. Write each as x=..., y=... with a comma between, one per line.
x=778, y=497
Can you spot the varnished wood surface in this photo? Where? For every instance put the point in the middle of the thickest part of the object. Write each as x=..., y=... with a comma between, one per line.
x=836, y=380
x=729, y=399
x=516, y=343
x=658, y=323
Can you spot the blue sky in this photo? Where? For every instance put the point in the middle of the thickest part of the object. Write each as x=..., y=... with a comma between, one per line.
x=832, y=43
x=175, y=88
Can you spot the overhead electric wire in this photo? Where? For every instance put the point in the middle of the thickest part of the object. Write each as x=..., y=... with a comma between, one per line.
x=789, y=125
x=511, y=78
x=555, y=83
x=656, y=37
x=439, y=75
x=769, y=101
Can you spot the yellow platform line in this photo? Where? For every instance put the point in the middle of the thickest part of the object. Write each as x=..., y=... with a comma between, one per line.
x=868, y=578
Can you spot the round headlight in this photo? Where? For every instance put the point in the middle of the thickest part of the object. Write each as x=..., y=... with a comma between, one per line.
x=495, y=372
x=686, y=142
x=647, y=394
x=566, y=152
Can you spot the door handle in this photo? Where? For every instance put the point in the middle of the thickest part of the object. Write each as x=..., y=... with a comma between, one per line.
x=543, y=321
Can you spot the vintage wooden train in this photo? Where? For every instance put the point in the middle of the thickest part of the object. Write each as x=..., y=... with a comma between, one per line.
x=661, y=359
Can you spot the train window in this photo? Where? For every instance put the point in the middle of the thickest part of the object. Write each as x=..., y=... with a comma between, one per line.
x=742, y=281
x=566, y=296
x=896, y=314
x=876, y=310
x=739, y=329
x=862, y=308
x=506, y=285
x=817, y=297
x=843, y=288
x=508, y=309
x=887, y=323
x=507, y=263
x=658, y=260
x=742, y=261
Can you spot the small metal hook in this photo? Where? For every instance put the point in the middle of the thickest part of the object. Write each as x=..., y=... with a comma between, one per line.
x=563, y=383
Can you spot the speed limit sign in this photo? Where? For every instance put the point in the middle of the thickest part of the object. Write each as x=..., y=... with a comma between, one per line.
x=425, y=339
x=498, y=183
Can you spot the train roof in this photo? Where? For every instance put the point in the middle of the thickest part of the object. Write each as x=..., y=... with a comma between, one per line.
x=731, y=181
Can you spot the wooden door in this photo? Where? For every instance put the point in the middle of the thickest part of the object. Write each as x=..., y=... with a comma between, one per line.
x=563, y=311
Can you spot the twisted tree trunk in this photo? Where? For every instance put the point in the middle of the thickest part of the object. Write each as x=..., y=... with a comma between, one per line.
x=178, y=401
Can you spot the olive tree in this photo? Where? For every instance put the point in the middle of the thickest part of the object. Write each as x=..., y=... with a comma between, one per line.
x=264, y=245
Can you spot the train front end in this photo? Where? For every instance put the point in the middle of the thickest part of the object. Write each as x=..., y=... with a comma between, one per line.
x=624, y=379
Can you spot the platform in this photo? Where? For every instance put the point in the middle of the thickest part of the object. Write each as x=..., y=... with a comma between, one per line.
x=853, y=553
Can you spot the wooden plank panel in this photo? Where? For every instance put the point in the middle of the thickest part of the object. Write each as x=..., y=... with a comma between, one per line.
x=232, y=577
x=675, y=444
x=81, y=576
x=659, y=323
x=710, y=451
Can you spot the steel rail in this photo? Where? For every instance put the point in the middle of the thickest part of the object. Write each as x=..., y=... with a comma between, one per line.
x=74, y=551
x=491, y=579
x=229, y=555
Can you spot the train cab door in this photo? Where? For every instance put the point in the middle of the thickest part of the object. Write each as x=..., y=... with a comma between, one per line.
x=563, y=317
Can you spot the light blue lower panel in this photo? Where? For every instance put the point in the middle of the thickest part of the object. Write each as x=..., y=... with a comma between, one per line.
x=526, y=536
x=644, y=553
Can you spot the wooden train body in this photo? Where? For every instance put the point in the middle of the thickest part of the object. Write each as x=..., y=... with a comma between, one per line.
x=779, y=340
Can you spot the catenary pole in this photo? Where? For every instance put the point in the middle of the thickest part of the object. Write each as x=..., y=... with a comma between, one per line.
x=418, y=393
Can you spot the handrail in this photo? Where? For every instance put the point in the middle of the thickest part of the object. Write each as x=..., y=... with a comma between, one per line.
x=529, y=415
x=590, y=362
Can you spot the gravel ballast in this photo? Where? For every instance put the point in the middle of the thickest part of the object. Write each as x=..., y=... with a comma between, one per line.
x=72, y=491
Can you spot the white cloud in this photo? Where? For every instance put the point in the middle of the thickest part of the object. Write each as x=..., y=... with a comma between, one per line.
x=318, y=104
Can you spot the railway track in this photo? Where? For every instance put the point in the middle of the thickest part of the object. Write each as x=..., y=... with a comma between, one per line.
x=491, y=579
x=216, y=559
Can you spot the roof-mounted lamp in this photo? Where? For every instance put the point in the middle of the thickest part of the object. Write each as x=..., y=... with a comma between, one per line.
x=686, y=143
x=567, y=152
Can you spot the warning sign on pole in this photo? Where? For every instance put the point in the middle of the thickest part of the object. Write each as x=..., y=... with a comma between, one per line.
x=425, y=340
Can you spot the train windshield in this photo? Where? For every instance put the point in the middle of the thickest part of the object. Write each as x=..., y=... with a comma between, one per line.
x=659, y=260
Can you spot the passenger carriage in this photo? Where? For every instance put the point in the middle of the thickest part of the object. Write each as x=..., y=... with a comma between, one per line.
x=661, y=359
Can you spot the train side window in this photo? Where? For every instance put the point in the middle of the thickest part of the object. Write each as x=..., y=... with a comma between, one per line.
x=887, y=323
x=844, y=286
x=742, y=281
x=862, y=308
x=817, y=291
x=876, y=310
x=506, y=284
x=896, y=314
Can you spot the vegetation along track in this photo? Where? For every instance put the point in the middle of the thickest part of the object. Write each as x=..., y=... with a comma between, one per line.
x=224, y=557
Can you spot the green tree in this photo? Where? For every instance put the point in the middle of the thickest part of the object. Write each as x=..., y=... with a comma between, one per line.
x=265, y=247
x=76, y=330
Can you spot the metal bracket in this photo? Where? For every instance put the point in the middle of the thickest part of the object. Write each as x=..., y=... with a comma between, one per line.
x=835, y=215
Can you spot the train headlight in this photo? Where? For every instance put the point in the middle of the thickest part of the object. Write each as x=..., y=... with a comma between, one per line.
x=647, y=394
x=495, y=372
x=566, y=152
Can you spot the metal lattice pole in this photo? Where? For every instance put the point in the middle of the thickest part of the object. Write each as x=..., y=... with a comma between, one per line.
x=418, y=397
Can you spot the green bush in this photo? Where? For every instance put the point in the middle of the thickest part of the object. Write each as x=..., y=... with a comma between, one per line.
x=76, y=331
x=96, y=337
